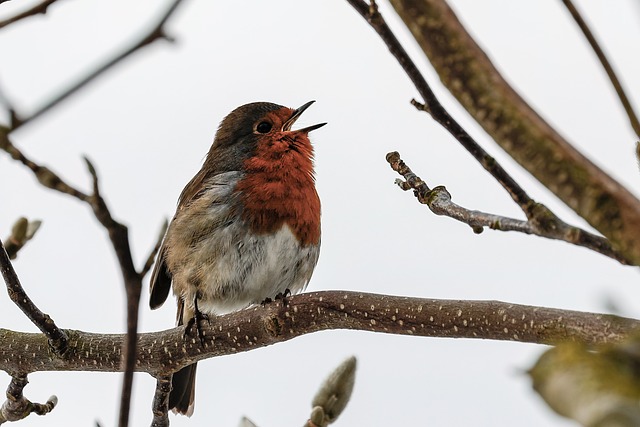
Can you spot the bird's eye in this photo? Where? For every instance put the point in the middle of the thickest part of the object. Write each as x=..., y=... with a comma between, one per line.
x=263, y=127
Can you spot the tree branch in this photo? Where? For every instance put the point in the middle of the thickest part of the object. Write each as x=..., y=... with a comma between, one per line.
x=40, y=8
x=17, y=407
x=57, y=337
x=432, y=106
x=161, y=402
x=165, y=352
x=157, y=32
x=471, y=77
x=543, y=223
x=617, y=85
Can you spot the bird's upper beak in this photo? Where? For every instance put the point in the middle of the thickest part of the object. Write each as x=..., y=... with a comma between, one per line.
x=297, y=113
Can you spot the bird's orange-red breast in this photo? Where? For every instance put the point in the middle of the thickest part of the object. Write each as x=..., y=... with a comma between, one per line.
x=247, y=226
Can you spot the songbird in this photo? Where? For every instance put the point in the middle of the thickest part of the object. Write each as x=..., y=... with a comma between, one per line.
x=247, y=226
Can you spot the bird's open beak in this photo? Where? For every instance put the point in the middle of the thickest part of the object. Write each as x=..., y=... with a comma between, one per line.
x=297, y=113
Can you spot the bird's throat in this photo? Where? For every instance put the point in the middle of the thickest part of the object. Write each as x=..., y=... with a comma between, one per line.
x=278, y=188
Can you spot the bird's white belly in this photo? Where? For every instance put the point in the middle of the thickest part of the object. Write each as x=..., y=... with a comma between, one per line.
x=251, y=268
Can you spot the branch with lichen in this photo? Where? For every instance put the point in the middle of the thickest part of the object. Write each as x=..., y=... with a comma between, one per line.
x=543, y=222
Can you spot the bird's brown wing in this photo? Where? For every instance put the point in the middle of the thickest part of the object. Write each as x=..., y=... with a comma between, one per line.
x=160, y=282
x=161, y=277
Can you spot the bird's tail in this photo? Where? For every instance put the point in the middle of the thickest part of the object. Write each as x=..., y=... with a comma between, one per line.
x=183, y=390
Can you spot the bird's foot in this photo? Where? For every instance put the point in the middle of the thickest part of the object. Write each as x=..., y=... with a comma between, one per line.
x=196, y=321
x=283, y=296
x=280, y=296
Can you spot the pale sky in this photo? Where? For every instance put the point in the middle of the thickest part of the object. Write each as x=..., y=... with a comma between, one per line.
x=149, y=122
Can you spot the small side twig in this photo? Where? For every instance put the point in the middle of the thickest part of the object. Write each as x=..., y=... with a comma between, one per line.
x=602, y=57
x=157, y=32
x=17, y=407
x=543, y=222
x=40, y=8
x=433, y=106
x=161, y=402
x=22, y=231
x=58, y=340
x=43, y=174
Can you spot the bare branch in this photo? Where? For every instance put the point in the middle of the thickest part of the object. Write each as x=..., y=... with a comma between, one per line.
x=162, y=353
x=432, y=106
x=17, y=407
x=44, y=175
x=157, y=32
x=57, y=337
x=466, y=70
x=22, y=231
x=161, y=402
x=626, y=103
x=40, y=8
x=543, y=222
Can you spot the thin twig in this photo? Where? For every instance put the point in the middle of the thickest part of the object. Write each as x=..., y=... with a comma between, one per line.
x=432, y=106
x=157, y=32
x=602, y=57
x=160, y=405
x=543, y=222
x=17, y=407
x=38, y=9
x=119, y=236
x=57, y=337
x=44, y=175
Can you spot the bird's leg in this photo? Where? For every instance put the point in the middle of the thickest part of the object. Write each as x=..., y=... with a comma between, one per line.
x=198, y=317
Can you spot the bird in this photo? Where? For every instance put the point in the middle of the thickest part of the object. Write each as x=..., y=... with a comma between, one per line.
x=246, y=228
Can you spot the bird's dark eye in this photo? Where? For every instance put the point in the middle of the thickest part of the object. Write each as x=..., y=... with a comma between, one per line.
x=263, y=127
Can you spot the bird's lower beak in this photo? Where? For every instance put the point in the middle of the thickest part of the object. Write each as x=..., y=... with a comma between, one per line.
x=297, y=113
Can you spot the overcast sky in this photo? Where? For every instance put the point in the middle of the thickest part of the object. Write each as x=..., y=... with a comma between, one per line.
x=148, y=123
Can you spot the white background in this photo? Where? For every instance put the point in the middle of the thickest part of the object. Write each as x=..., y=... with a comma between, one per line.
x=148, y=123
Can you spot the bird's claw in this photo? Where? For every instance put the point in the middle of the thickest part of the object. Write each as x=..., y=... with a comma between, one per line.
x=280, y=296
x=196, y=320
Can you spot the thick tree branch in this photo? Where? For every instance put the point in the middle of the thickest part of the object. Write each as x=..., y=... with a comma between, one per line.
x=617, y=85
x=471, y=77
x=543, y=223
x=40, y=8
x=156, y=32
x=162, y=353
x=57, y=337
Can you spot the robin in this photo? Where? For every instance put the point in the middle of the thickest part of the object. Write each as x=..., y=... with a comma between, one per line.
x=247, y=226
